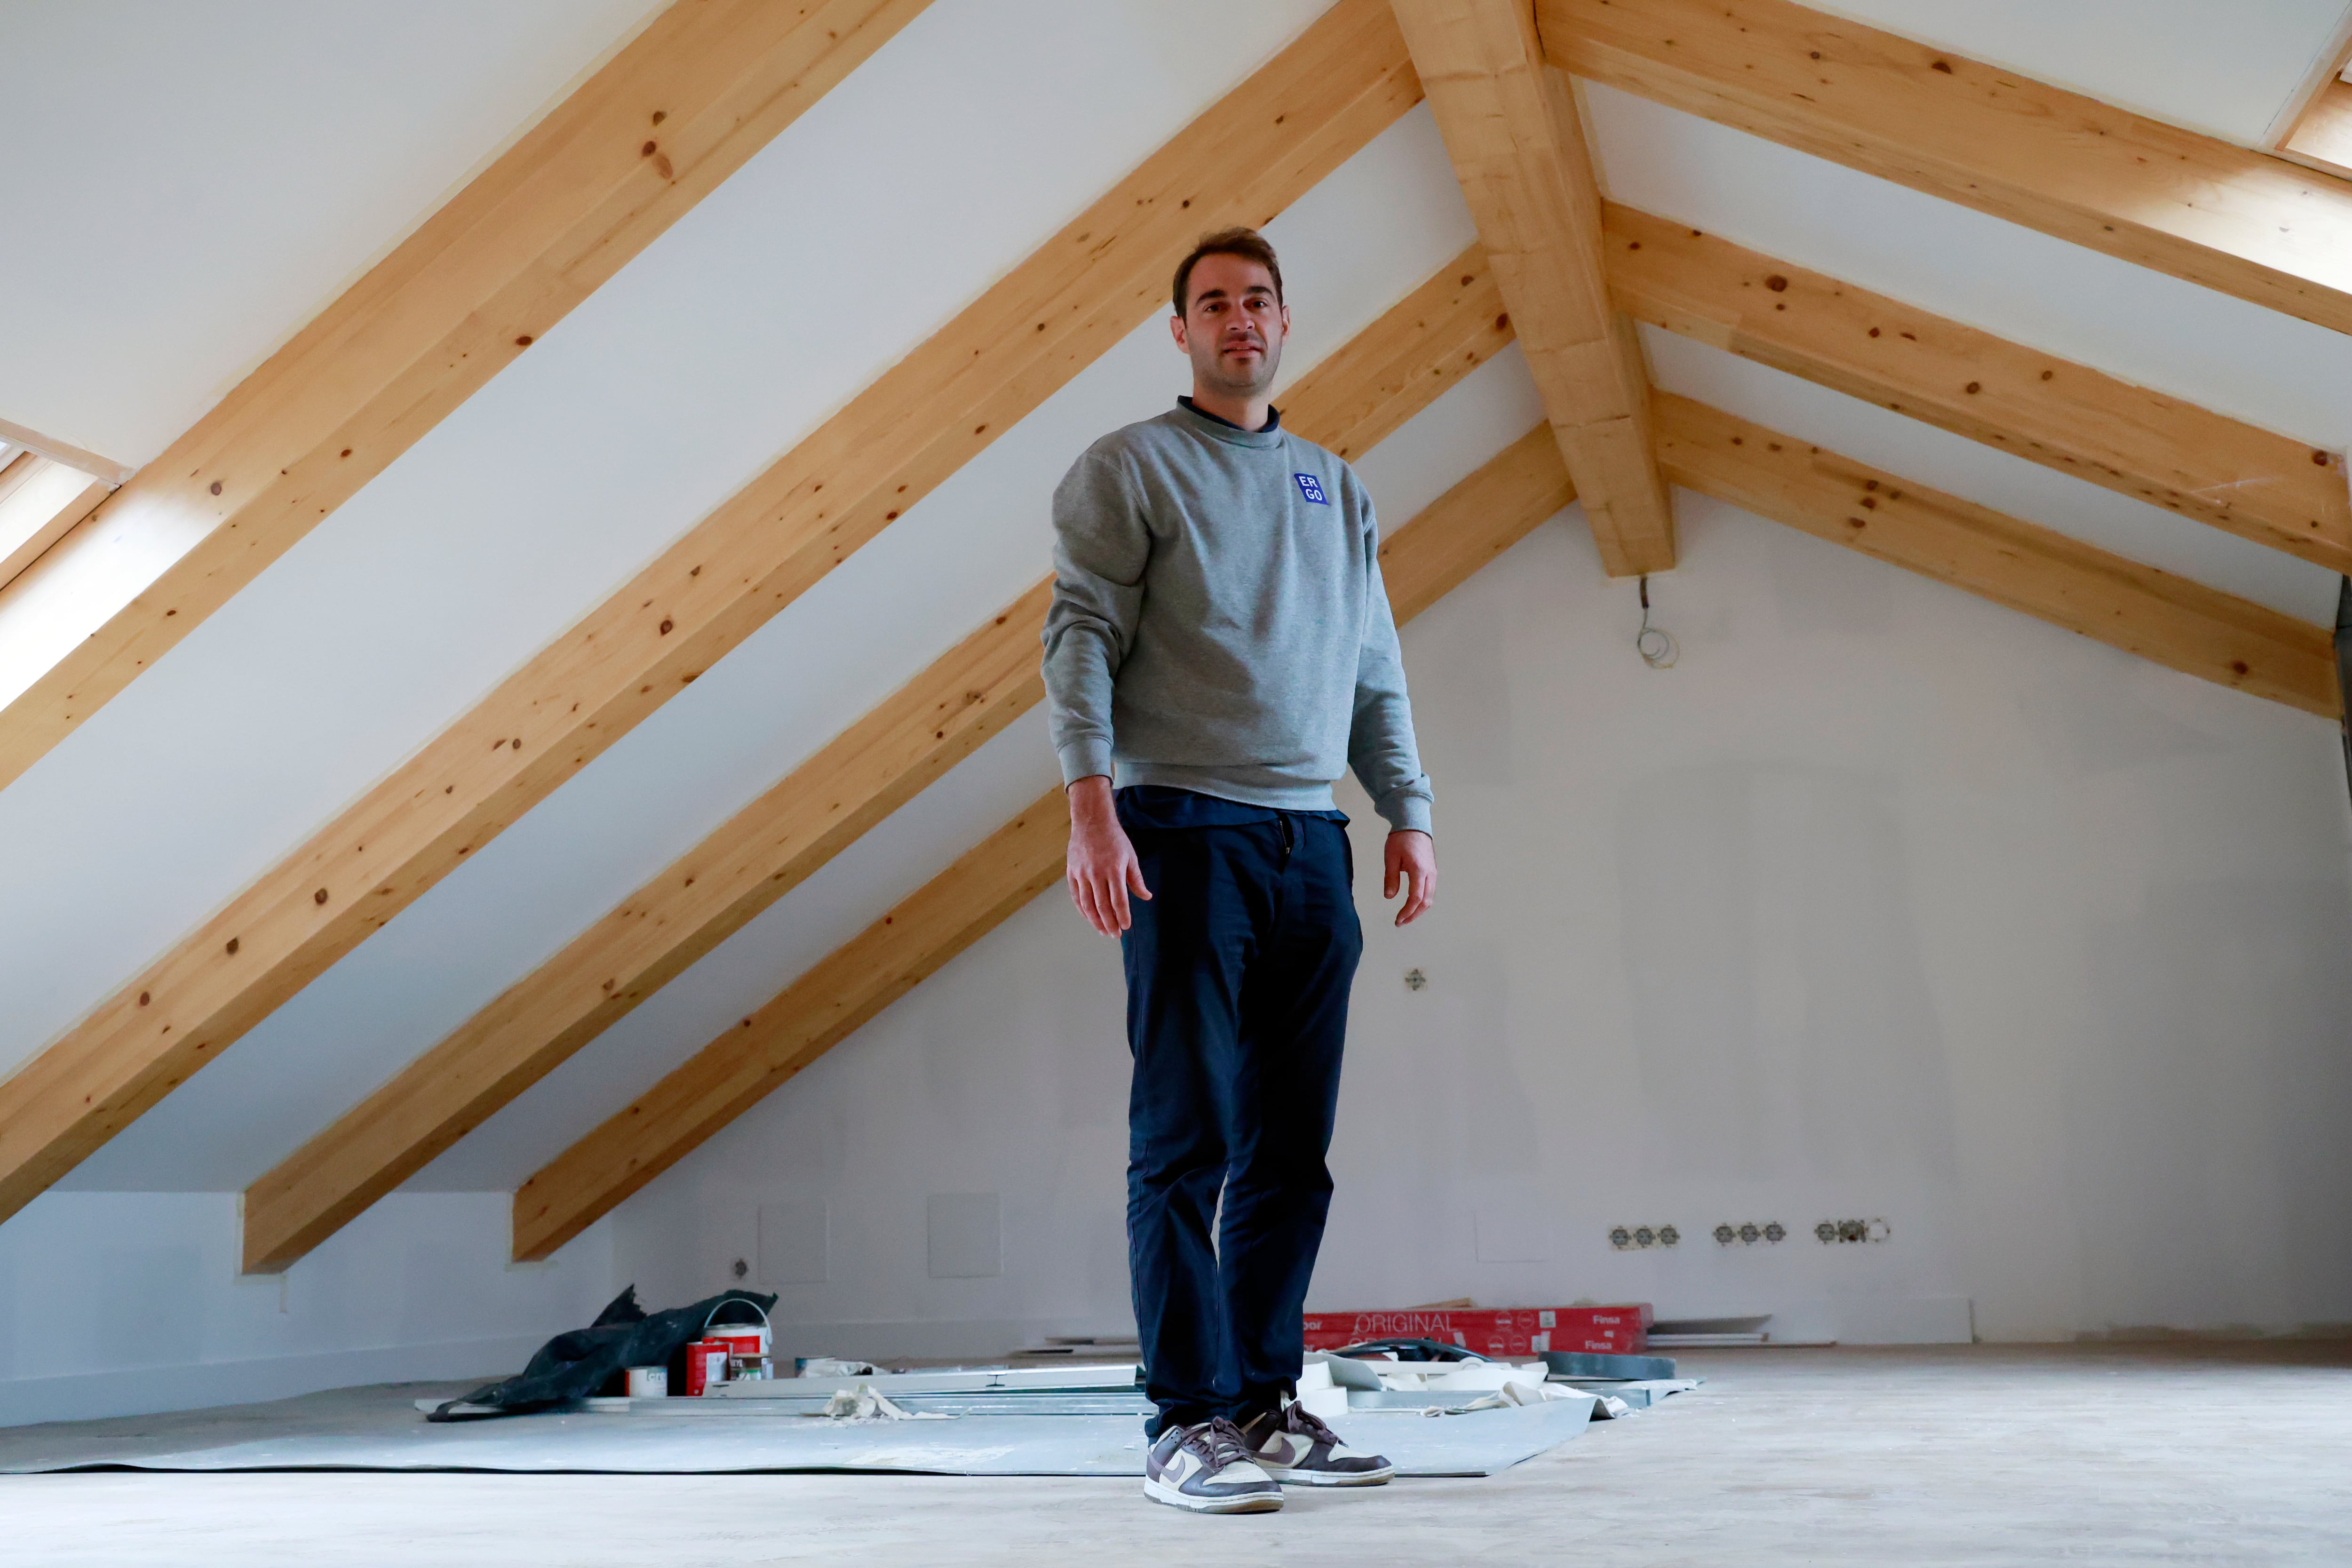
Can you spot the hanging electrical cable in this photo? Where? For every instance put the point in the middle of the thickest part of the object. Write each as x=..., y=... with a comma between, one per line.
x=2344, y=666
x=1654, y=644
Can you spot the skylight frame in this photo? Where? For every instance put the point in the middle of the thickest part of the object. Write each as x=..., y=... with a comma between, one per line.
x=2314, y=128
x=47, y=488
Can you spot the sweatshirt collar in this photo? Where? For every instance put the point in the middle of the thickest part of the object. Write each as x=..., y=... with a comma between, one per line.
x=1225, y=430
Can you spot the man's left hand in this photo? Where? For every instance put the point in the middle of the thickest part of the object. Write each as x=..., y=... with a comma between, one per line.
x=1409, y=858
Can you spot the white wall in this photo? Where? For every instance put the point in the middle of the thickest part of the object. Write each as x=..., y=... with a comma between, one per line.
x=1882, y=903
x=125, y=1303
x=1885, y=902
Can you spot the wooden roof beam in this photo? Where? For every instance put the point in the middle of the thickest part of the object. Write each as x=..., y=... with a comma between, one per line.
x=2073, y=418
x=2233, y=476
x=1267, y=141
x=2242, y=222
x=1517, y=148
x=1399, y=364
x=2043, y=574
x=1471, y=524
x=2139, y=609
x=684, y=105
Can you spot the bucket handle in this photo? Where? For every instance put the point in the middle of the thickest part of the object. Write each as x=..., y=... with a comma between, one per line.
x=712, y=1315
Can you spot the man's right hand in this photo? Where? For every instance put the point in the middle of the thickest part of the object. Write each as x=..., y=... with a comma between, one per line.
x=1103, y=869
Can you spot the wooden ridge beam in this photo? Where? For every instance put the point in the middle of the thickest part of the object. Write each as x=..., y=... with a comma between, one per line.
x=2139, y=609
x=1459, y=532
x=1517, y=148
x=684, y=105
x=2222, y=471
x=1244, y=159
x=2240, y=221
x=1442, y=330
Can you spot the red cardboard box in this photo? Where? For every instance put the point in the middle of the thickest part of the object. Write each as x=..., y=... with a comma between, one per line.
x=1495, y=1331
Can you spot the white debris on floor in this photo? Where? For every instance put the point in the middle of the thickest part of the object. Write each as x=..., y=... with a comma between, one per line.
x=1332, y=1386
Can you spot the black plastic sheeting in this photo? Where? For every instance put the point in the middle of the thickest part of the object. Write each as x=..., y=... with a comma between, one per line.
x=2344, y=667
x=572, y=1366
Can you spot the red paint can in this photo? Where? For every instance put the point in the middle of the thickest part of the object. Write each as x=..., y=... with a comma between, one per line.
x=706, y=1365
x=747, y=1344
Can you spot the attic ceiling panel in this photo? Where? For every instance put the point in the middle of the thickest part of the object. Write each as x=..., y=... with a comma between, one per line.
x=846, y=241
x=1464, y=428
x=188, y=185
x=2211, y=348
x=1352, y=247
x=2223, y=69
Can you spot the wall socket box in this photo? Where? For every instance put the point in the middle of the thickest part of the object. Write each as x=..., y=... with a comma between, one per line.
x=1841, y=1232
x=1634, y=1237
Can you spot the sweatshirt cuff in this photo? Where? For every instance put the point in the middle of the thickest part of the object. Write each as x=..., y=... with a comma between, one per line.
x=1405, y=812
x=1085, y=757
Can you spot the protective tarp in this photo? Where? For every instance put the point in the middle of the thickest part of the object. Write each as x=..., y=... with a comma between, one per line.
x=574, y=1365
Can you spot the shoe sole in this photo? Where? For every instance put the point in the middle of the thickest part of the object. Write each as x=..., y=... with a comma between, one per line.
x=1328, y=1477
x=1247, y=1502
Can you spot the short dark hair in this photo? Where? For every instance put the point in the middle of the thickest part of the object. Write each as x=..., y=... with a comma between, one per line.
x=1246, y=243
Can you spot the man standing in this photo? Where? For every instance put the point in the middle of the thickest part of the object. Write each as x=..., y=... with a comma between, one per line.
x=1220, y=646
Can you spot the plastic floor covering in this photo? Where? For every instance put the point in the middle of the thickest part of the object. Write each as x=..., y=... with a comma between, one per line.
x=1479, y=1444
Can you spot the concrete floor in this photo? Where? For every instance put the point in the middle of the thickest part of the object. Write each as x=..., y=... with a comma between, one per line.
x=2204, y=1454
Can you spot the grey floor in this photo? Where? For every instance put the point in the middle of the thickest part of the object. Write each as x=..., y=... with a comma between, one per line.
x=2234, y=1454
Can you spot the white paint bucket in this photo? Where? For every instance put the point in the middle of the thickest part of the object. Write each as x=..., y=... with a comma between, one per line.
x=747, y=1344
x=649, y=1383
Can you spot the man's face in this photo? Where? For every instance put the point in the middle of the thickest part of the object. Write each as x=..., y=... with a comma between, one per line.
x=1232, y=326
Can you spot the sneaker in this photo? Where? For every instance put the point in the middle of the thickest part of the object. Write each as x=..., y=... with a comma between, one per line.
x=1207, y=1468
x=1293, y=1445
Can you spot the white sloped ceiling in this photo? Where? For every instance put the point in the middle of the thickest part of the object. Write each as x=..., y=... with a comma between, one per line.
x=926, y=174
x=189, y=183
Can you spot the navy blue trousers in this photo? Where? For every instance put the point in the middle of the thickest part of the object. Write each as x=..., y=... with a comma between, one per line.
x=1237, y=977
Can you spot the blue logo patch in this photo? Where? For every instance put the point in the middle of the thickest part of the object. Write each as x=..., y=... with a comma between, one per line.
x=1312, y=489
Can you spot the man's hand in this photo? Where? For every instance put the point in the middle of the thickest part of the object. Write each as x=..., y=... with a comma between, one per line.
x=1409, y=858
x=1102, y=866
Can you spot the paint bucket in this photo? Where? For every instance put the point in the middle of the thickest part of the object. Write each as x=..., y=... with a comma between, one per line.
x=747, y=1347
x=706, y=1366
x=648, y=1382
x=747, y=1344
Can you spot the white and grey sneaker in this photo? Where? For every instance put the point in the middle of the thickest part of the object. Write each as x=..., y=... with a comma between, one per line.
x=1207, y=1468
x=1293, y=1445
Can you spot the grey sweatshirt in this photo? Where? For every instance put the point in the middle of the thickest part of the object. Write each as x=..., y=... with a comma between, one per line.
x=1219, y=623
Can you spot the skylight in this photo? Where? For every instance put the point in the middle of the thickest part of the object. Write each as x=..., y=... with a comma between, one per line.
x=2320, y=133
x=40, y=500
